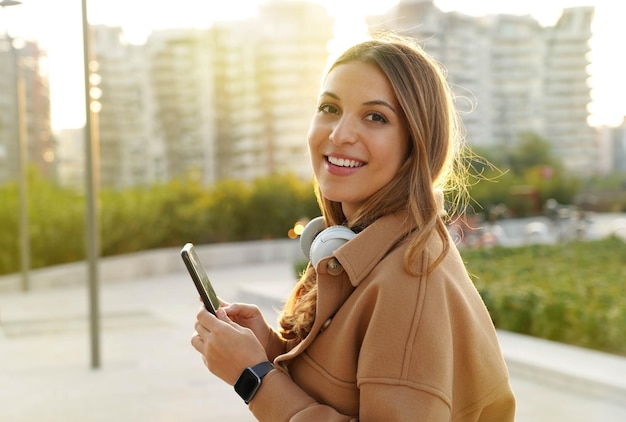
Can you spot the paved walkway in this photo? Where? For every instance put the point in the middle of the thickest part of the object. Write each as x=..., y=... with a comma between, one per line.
x=150, y=372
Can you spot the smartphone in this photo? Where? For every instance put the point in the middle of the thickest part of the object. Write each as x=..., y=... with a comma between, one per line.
x=200, y=278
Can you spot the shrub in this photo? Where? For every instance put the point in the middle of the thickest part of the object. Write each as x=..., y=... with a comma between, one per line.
x=162, y=215
x=569, y=292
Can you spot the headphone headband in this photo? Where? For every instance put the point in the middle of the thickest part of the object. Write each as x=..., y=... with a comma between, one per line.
x=318, y=242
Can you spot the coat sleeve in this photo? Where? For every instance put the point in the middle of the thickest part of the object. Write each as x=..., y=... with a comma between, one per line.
x=280, y=399
x=395, y=402
x=276, y=345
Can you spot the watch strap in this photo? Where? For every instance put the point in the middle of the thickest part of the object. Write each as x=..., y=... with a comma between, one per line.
x=261, y=369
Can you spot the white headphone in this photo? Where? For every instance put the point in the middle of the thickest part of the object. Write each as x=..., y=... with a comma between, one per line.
x=318, y=242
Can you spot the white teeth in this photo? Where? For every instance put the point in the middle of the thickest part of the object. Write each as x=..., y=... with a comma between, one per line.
x=344, y=163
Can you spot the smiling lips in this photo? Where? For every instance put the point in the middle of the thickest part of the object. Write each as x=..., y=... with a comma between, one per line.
x=344, y=162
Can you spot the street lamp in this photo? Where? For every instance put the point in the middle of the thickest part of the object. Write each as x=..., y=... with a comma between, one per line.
x=20, y=126
x=92, y=171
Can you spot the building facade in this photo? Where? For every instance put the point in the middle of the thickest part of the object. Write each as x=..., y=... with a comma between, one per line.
x=267, y=79
x=129, y=155
x=32, y=101
x=235, y=100
x=510, y=75
x=231, y=101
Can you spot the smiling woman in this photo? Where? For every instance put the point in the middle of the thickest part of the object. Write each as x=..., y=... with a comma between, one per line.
x=384, y=323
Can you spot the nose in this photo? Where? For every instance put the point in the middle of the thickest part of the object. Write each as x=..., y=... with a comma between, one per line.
x=344, y=131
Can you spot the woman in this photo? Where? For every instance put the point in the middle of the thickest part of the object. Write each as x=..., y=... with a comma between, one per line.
x=388, y=327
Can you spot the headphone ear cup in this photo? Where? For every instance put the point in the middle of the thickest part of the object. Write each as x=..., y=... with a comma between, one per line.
x=310, y=231
x=328, y=241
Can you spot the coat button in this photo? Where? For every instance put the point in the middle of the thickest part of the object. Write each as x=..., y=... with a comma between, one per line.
x=334, y=267
x=326, y=324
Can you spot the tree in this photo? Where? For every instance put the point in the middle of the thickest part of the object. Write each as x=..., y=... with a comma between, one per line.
x=531, y=151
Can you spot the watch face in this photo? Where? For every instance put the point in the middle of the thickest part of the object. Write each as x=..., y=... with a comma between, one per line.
x=247, y=384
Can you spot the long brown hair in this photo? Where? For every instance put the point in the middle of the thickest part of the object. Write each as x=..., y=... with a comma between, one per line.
x=434, y=162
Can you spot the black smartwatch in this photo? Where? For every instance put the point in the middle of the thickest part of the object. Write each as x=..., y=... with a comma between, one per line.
x=250, y=380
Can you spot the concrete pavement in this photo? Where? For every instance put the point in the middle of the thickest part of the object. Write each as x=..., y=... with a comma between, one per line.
x=150, y=372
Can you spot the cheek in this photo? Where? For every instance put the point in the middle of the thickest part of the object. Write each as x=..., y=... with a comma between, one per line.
x=398, y=157
x=313, y=148
x=404, y=153
x=315, y=135
x=395, y=154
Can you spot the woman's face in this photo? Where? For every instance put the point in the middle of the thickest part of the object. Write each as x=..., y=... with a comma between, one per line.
x=357, y=138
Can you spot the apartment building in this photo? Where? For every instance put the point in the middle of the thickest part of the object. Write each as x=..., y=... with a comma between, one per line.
x=129, y=154
x=181, y=114
x=235, y=100
x=231, y=101
x=568, y=93
x=34, y=102
x=267, y=78
x=511, y=75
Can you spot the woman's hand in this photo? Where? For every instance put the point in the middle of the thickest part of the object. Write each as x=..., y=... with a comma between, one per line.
x=226, y=346
x=250, y=316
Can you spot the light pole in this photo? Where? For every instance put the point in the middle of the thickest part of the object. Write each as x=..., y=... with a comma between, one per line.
x=91, y=173
x=22, y=154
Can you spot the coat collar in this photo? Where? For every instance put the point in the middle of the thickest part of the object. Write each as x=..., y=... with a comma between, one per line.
x=358, y=258
x=360, y=255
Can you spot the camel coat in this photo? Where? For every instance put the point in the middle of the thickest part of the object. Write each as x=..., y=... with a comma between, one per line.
x=390, y=346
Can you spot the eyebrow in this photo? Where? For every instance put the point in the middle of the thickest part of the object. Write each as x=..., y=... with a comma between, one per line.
x=367, y=103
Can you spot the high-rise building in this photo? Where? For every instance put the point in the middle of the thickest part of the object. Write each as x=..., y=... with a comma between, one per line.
x=510, y=75
x=129, y=154
x=182, y=89
x=235, y=100
x=568, y=93
x=267, y=78
x=33, y=102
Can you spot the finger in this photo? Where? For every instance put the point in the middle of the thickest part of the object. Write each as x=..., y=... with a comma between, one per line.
x=206, y=318
x=239, y=310
x=222, y=315
x=197, y=342
x=223, y=303
x=201, y=330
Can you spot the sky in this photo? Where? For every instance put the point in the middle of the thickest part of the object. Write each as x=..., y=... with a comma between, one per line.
x=56, y=25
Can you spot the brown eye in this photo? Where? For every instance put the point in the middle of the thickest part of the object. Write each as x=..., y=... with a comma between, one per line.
x=376, y=117
x=328, y=108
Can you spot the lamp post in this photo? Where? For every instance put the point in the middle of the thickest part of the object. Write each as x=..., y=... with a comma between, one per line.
x=22, y=152
x=92, y=171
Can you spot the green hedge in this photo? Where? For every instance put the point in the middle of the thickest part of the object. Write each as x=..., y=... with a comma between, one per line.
x=163, y=215
x=571, y=292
